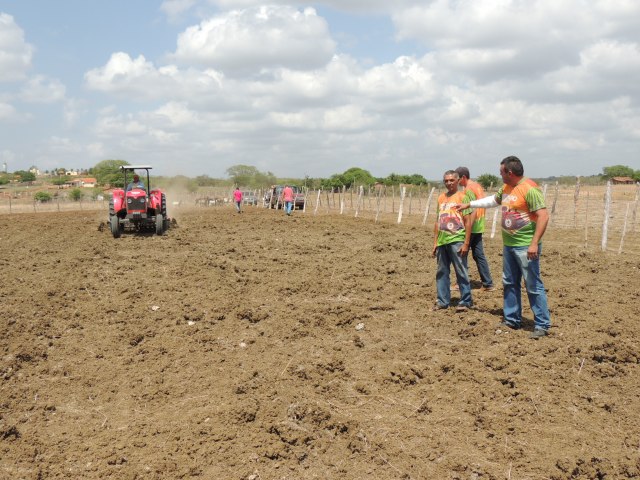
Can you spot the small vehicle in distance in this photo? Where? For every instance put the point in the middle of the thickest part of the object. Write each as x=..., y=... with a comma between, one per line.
x=139, y=208
x=249, y=198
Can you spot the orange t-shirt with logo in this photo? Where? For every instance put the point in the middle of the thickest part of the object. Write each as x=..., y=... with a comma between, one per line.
x=519, y=206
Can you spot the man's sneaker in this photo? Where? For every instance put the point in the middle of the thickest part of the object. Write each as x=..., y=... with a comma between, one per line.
x=538, y=333
x=462, y=308
x=490, y=288
x=512, y=326
x=437, y=307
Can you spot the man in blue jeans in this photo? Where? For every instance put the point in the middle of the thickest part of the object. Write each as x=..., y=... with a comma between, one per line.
x=475, y=191
x=524, y=221
x=452, y=233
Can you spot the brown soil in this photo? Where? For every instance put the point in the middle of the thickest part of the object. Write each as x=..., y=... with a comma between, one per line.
x=258, y=346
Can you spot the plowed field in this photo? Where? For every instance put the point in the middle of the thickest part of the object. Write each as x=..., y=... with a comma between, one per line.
x=259, y=346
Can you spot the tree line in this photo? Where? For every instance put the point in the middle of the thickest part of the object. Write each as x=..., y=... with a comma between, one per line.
x=108, y=173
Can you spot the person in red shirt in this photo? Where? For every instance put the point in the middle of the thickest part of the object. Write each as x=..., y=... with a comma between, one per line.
x=287, y=198
x=237, y=199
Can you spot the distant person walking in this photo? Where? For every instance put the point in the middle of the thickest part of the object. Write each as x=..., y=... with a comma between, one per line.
x=287, y=198
x=474, y=191
x=524, y=221
x=452, y=234
x=237, y=199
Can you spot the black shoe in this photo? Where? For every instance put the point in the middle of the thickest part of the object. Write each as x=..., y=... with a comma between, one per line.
x=437, y=307
x=512, y=326
x=538, y=333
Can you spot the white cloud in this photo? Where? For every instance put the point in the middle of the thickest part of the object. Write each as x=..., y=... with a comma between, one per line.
x=40, y=89
x=174, y=9
x=267, y=37
x=15, y=53
x=139, y=80
x=7, y=111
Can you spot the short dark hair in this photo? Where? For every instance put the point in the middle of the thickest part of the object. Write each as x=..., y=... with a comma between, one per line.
x=451, y=172
x=514, y=165
x=463, y=172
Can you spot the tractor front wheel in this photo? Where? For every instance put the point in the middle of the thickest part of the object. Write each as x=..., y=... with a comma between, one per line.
x=115, y=226
x=159, y=224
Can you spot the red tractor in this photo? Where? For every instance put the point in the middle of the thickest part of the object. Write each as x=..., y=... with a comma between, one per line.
x=137, y=207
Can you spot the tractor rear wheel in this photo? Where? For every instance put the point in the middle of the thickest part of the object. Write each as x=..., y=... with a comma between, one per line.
x=159, y=224
x=115, y=226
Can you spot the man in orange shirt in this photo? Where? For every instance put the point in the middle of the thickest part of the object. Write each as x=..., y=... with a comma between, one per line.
x=475, y=191
x=452, y=231
x=524, y=222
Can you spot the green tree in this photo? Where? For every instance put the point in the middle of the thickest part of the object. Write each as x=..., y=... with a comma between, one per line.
x=249, y=176
x=42, y=197
x=357, y=176
x=59, y=180
x=75, y=194
x=618, y=171
x=417, y=179
x=487, y=180
x=108, y=172
x=242, y=174
x=25, y=176
x=4, y=179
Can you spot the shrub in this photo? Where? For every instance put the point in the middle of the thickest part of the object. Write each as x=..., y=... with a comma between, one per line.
x=42, y=197
x=75, y=194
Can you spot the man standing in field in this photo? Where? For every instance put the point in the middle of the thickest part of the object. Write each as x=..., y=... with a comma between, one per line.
x=237, y=199
x=287, y=198
x=524, y=221
x=474, y=191
x=452, y=233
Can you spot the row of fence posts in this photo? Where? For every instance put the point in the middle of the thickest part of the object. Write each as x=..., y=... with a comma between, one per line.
x=36, y=203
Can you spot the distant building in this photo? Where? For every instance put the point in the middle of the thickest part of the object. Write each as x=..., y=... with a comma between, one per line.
x=87, y=182
x=622, y=180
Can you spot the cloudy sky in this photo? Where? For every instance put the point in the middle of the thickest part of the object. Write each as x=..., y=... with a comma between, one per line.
x=405, y=86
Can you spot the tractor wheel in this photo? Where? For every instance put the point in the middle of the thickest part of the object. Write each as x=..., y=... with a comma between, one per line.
x=159, y=224
x=115, y=226
x=163, y=206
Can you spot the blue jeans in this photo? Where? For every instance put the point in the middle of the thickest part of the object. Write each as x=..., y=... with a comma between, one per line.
x=477, y=250
x=287, y=207
x=448, y=255
x=515, y=267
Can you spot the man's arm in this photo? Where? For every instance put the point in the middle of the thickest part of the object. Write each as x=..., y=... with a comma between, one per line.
x=468, y=222
x=486, y=202
x=541, y=227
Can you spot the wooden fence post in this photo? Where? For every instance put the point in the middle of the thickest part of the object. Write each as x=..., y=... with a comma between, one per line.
x=635, y=206
x=360, y=193
x=605, y=224
x=315, y=210
x=493, y=224
x=576, y=194
x=378, y=202
x=586, y=221
x=403, y=191
x=393, y=200
x=426, y=208
x=553, y=207
x=624, y=229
